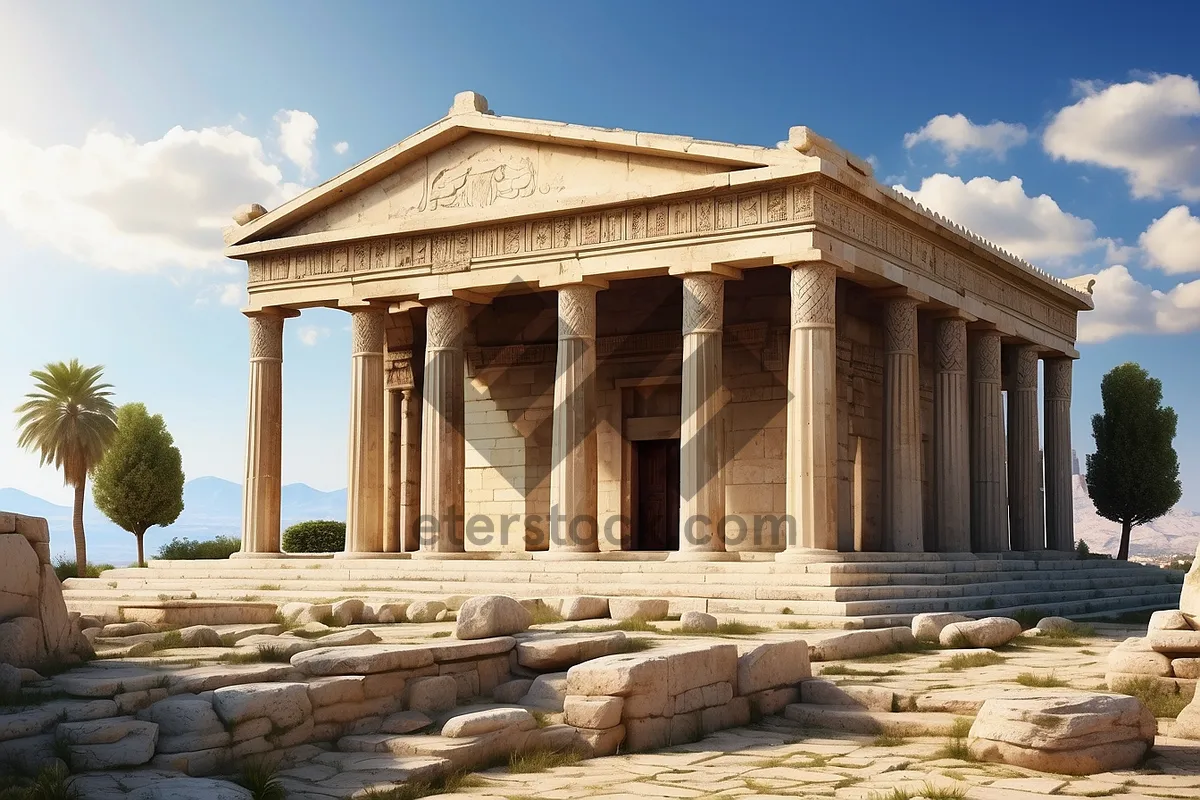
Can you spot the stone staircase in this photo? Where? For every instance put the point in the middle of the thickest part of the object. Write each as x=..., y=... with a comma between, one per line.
x=857, y=590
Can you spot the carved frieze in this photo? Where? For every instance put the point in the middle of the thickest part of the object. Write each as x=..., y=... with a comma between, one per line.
x=823, y=201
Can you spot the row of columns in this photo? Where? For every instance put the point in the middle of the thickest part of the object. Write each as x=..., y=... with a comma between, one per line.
x=987, y=488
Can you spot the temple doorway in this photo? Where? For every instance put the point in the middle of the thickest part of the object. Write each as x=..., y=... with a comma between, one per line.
x=655, y=498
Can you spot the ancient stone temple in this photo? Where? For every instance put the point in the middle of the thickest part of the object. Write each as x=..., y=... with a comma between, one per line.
x=587, y=343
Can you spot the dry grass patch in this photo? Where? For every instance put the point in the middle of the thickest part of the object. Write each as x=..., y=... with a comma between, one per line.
x=414, y=790
x=1040, y=681
x=541, y=760
x=1161, y=701
x=544, y=615
x=963, y=661
x=842, y=669
x=887, y=740
x=956, y=744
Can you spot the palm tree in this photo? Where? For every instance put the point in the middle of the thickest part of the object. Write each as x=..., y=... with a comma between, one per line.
x=69, y=421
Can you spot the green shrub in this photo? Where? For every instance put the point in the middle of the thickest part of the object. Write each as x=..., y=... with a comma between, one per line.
x=189, y=550
x=315, y=536
x=65, y=568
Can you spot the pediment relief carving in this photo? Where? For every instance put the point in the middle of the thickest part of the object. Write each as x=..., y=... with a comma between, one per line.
x=495, y=176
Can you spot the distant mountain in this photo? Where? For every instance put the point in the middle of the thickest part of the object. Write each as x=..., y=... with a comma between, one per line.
x=1176, y=532
x=211, y=507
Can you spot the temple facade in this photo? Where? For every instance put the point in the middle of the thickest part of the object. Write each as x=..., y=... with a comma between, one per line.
x=581, y=343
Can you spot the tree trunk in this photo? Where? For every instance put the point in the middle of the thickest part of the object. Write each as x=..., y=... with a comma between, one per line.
x=77, y=526
x=1123, y=553
x=141, y=554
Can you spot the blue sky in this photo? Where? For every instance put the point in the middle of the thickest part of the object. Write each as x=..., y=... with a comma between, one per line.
x=129, y=132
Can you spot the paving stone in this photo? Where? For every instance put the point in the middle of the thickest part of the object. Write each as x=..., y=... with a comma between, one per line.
x=556, y=653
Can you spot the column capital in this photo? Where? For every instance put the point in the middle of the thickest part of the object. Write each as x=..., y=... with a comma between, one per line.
x=577, y=311
x=368, y=330
x=1024, y=366
x=703, y=303
x=814, y=295
x=950, y=338
x=1058, y=377
x=445, y=321
x=701, y=268
x=271, y=312
x=900, y=325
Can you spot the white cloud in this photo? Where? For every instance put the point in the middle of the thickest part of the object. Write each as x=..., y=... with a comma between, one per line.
x=955, y=135
x=341, y=147
x=232, y=294
x=1034, y=228
x=297, y=140
x=309, y=335
x=138, y=206
x=1150, y=130
x=1125, y=306
x=1172, y=242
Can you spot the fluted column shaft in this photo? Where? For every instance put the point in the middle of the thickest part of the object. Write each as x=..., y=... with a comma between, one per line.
x=410, y=469
x=989, y=483
x=702, y=429
x=442, y=423
x=951, y=439
x=1025, y=515
x=264, y=438
x=365, y=485
x=812, y=412
x=1060, y=513
x=573, y=525
x=902, y=510
x=393, y=481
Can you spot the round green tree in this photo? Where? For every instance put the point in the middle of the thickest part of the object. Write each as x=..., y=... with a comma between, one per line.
x=69, y=420
x=1133, y=477
x=139, y=482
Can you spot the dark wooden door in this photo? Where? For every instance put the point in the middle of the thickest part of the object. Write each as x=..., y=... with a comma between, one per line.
x=656, y=495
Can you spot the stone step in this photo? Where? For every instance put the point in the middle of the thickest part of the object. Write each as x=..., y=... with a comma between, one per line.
x=858, y=720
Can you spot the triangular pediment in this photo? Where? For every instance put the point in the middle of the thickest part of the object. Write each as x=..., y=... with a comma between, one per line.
x=484, y=177
x=476, y=167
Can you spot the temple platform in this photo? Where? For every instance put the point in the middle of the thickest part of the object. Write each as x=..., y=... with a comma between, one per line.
x=852, y=590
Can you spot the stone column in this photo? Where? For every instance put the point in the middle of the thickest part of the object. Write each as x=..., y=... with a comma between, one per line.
x=989, y=486
x=264, y=438
x=701, y=418
x=442, y=423
x=951, y=439
x=365, y=483
x=812, y=414
x=1060, y=516
x=902, y=509
x=393, y=483
x=573, y=522
x=410, y=469
x=1025, y=516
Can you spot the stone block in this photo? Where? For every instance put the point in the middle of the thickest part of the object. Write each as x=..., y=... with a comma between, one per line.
x=404, y=722
x=432, y=694
x=988, y=632
x=362, y=659
x=306, y=612
x=602, y=743
x=512, y=691
x=619, y=675
x=584, y=607
x=108, y=743
x=132, y=702
x=350, y=711
x=858, y=644
x=22, y=643
x=337, y=689
x=196, y=763
x=182, y=715
x=191, y=742
x=597, y=713
x=250, y=729
x=20, y=573
x=648, y=733
x=772, y=666
x=423, y=611
x=560, y=652
x=547, y=692
x=772, y=701
x=386, y=684
x=1139, y=662
x=389, y=613
x=638, y=608
x=285, y=704
x=1169, y=620
x=1174, y=641
x=733, y=714
x=690, y=667
x=1186, y=667
x=191, y=789
x=685, y=728
x=697, y=622
x=928, y=627
x=347, y=612
x=478, y=723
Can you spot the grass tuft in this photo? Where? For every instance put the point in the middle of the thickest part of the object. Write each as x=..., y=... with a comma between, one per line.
x=841, y=669
x=1161, y=700
x=170, y=641
x=1040, y=681
x=545, y=615
x=956, y=744
x=970, y=661
x=541, y=760
x=260, y=778
x=795, y=626
x=734, y=628
x=637, y=644
x=887, y=740
x=268, y=587
x=50, y=783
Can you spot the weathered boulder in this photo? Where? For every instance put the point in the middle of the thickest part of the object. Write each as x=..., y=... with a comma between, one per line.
x=389, y=613
x=19, y=577
x=363, y=659
x=1065, y=734
x=425, y=611
x=114, y=629
x=928, y=627
x=478, y=723
x=1186, y=668
x=638, y=608
x=772, y=665
x=1169, y=620
x=857, y=644
x=348, y=611
x=1134, y=656
x=491, y=615
x=182, y=714
x=559, y=652
x=199, y=636
x=697, y=622
x=987, y=632
x=1054, y=624
x=191, y=789
x=583, y=607
x=547, y=692
x=10, y=681
x=107, y=743
x=285, y=704
x=512, y=691
x=306, y=612
x=1174, y=641
x=430, y=695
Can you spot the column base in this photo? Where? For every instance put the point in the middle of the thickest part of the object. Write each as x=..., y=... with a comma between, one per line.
x=384, y=556
x=478, y=555
x=809, y=556
x=240, y=554
x=566, y=555
x=702, y=555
